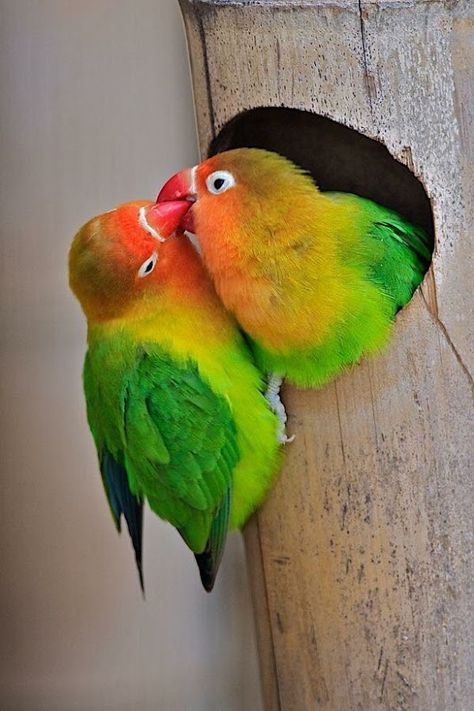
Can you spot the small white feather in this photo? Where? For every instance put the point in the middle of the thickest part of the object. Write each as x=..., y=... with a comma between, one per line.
x=143, y=222
x=194, y=241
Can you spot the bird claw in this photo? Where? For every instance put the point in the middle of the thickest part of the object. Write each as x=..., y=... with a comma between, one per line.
x=272, y=396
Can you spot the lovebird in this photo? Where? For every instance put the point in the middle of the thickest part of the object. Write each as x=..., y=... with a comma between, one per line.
x=174, y=400
x=315, y=279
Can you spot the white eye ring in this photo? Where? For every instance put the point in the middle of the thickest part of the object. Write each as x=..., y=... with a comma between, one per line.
x=220, y=181
x=148, y=266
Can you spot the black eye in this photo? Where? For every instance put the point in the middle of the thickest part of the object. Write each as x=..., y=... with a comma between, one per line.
x=218, y=183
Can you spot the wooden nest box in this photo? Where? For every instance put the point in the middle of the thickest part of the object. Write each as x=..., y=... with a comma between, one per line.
x=362, y=559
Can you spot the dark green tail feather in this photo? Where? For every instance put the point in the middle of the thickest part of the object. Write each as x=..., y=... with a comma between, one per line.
x=122, y=501
x=209, y=560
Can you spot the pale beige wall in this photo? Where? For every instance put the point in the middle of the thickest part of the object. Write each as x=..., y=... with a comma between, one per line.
x=95, y=109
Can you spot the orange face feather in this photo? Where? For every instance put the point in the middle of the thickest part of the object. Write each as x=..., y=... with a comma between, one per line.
x=255, y=234
x=314, y=278
x=129, y=270
x=120, y=257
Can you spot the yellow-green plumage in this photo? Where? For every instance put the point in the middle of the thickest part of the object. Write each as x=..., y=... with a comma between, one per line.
x=174, y=401
x=313, y=278
x=377, y=265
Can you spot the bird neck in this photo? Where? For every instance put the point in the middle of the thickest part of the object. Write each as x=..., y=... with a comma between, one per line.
x=257, y=269
x=182, y=311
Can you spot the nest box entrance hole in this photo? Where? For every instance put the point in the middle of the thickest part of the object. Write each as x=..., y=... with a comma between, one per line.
x=338, y=157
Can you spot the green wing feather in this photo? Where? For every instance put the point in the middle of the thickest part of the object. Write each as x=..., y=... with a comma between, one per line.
x=406, y=259
x=397, y=251
x=175, y=438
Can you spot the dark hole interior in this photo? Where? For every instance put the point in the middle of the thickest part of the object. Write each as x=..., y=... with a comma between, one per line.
x=337, y=157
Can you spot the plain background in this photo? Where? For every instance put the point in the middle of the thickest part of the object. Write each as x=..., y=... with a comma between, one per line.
x=96, y=109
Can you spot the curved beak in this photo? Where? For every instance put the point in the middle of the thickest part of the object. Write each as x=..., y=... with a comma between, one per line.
x=163, y=219
x=180, y=187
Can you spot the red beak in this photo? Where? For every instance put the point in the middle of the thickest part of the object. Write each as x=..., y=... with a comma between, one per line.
x=164, y=218
x=180, y=187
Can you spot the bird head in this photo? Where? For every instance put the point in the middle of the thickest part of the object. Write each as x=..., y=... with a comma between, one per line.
x=118, y=256
x=246, y=187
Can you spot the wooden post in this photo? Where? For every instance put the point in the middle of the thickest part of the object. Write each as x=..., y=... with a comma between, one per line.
x=362, y=560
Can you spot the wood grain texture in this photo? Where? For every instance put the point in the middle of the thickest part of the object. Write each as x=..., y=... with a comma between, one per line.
x=362, y=558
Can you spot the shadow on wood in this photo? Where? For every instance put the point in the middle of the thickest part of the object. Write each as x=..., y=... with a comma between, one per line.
x=338, y=157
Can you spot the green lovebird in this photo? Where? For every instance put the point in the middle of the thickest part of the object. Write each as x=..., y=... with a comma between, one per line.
x=315, y=279
x=174, y=401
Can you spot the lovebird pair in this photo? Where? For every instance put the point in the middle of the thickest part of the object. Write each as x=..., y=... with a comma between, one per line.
x=175, y=402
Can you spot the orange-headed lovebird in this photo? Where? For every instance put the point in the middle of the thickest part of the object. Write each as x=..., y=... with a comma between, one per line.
x=174, y=401
x=314, y=279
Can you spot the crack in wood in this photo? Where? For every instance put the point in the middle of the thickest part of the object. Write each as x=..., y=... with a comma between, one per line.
x=444, y=331
x=207, y=75
x=369, y=81
x=269, y=618
x=382, y=690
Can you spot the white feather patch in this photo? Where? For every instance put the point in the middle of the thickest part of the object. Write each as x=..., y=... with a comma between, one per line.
x=143, y=222
x=194, y=241
x=193, y=180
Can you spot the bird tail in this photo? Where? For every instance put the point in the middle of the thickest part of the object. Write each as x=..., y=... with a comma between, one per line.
x=209, y=560
x=123, y=501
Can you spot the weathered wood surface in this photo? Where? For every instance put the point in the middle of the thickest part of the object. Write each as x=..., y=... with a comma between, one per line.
x=362, y=559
